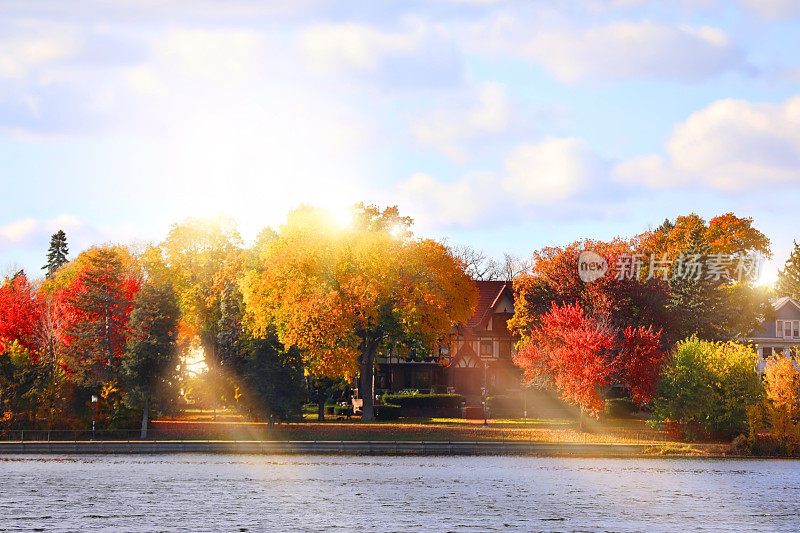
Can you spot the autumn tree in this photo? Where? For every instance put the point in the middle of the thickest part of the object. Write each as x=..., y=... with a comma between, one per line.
x=344, y=295
x=618, y=298
x=581, y=356
x=57, y=254
x=788, y=283
x=150, y=362
x=725, y=234
x=97, y=304
x=20, y=313
x=196, y=251
x=782, y=384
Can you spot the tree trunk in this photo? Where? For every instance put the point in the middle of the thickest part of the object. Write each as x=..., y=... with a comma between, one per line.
x=366, y=367
x=145, y=415
x=320, y=405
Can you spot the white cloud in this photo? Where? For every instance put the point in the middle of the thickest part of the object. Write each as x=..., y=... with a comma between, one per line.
x=550, y=171
x=416, y=53
x=729, y=145
x=460, y=203
x=18, y=231
x=773, y=8
x=448, y=130
x=225, y=57
x=22, y=54
x=614, y=51
x=144, y=80
x=63, y=222
x=540, y=174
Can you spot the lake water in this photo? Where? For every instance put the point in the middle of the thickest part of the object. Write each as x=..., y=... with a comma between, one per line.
x=316, y=493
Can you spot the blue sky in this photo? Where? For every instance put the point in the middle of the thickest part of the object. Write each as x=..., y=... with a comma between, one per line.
x=504, y=125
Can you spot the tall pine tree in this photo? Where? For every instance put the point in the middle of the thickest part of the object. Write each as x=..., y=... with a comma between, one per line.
x=57, y=254
x=696, y=298
x=788, y=283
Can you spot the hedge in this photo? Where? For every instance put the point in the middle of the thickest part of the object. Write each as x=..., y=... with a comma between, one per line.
x=387, y=412
x=343, y=410
x=424, y=401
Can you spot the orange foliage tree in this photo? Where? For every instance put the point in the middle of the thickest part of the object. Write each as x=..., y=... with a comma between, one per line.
x=782, y=384
x=724, y=234
x=344, y=295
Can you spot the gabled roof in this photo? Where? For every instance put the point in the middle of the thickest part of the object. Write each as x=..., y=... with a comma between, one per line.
x=489, y=295
x=780, y=302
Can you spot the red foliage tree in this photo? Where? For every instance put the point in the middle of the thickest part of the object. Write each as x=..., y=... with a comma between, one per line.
x=581, y=354
x=20, y=313
x=96, y=307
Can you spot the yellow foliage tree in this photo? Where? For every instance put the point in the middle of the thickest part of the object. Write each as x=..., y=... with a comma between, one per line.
x=344, y=295
x=197, y=253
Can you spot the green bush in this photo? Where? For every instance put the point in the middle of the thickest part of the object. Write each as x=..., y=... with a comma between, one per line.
x=709, y=386
x=424, y=401
x=620, y=408
x=387, y=412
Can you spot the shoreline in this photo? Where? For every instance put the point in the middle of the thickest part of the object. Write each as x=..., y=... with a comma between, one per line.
x=389, y=448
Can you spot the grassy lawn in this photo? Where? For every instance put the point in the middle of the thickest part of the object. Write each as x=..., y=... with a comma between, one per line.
x=229, y=426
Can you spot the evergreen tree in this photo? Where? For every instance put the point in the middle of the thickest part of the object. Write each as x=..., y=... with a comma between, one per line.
x=697, y=299
x=269, y=377
x=151, y=359
x=57, y=254
x=788, y=283
x=712, y=305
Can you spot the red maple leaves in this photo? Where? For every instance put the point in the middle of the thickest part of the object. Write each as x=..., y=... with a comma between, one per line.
x=583, y=354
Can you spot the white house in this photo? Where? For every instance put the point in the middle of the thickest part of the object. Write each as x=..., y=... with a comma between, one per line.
x=780, y=335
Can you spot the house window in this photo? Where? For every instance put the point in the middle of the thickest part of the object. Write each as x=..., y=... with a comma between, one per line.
x=487, y=348
x=505, y=349
x=766, y=352
x=787, y=329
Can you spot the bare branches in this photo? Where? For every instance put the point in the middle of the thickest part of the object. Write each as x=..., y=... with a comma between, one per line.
x=481, y=267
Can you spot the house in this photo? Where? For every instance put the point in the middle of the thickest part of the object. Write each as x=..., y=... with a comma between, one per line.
x=780, y=334
x=480, y=353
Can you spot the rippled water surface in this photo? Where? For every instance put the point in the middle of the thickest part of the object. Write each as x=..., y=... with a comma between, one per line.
x=315, y=493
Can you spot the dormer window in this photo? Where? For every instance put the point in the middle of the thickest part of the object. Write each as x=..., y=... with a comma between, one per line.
x=787, y=329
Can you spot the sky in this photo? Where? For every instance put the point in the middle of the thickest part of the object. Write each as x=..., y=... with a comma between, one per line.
x=503, y=125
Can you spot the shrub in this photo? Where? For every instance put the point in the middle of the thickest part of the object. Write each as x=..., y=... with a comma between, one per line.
x=709, y=386
x=424, y=401
x=387, y=412
x=620, y=408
